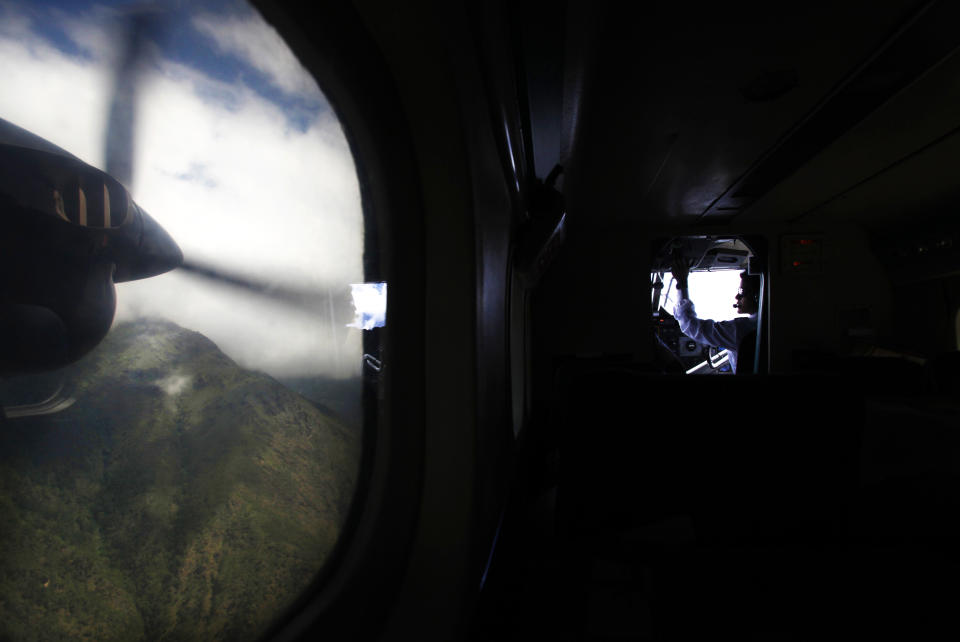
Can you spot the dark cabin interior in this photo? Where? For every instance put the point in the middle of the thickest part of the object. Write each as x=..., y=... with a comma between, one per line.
x=571, y=489
x=816, y=500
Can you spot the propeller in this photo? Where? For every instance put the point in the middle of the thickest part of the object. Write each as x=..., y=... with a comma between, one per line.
x=316, y=298
x=71, y=231
x=142, y=25
x=130, y=63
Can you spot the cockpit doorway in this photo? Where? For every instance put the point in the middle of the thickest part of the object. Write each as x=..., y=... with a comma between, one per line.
x=707, y=317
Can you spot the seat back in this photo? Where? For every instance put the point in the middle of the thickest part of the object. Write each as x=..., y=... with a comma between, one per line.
x=746, y=457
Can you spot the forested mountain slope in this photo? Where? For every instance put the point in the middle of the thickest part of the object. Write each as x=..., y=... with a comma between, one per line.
x=180, y=496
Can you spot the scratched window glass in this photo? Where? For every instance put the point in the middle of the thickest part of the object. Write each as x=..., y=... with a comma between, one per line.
x=184, y=327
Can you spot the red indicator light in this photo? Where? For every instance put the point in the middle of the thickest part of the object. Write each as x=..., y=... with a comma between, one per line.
x=796, y=264
x=806, y=242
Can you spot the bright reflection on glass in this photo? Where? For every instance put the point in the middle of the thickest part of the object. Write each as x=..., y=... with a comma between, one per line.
x=189, y=478
x=370, y=304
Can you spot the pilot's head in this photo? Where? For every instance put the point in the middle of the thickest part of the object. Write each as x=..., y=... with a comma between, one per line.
x=748, y=297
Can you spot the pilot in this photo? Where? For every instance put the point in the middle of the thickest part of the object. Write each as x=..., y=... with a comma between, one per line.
x=721, y=334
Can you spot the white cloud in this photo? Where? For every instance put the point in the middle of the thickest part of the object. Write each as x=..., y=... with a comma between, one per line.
x=240, y=190
x=238, y=182
x=59, y=98
x=259, y=45
x=92, y=36
x=174, y=384
x=219, y=167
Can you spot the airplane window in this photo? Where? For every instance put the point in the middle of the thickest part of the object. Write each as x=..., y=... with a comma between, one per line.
x=190, y=476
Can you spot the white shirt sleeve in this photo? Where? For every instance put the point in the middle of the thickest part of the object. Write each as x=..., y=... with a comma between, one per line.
x=721, y=334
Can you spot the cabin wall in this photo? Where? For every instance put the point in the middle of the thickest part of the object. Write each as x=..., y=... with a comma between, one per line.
x=927, y=315
x=440, y=580
x=845, y=303
x=594, y=299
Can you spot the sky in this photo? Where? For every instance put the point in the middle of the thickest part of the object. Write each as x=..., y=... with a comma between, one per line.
x=237, y=155
x=713, y=293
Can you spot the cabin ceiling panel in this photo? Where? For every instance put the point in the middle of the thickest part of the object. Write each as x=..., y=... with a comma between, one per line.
x=923, y=187
x=924, y=116
x=680, y=102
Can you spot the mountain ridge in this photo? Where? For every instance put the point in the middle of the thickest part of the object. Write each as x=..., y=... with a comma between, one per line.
x=181, y=496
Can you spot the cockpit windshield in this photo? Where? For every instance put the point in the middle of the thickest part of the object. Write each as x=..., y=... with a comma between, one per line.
x=713, y=293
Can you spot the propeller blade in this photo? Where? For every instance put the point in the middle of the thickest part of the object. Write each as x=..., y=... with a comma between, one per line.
x=312, y=299
x=122, y=120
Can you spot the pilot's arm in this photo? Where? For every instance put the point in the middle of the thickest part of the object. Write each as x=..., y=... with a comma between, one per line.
x=722, y=334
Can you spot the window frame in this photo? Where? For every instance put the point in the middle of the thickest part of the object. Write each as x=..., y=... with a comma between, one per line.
x=354, y=593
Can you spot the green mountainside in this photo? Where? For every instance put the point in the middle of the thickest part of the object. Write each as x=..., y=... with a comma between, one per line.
x=338, y=397
x=180, y=497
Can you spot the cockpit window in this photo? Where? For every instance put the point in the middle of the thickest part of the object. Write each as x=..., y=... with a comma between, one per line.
x=191, y=475
x=713, y=293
